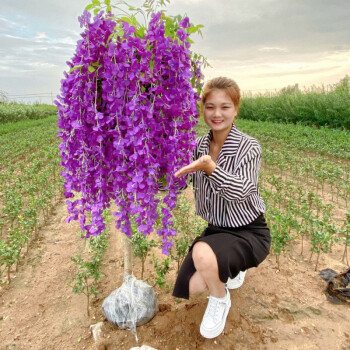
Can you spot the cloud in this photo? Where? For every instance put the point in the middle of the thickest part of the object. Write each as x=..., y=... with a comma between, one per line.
x=310, y=26
x=68, y=40
x=7, y=23
x=265, y=44
x=269, y=49
x=40, y=54
x=14, y=37
x=263, y=75
x=41, y=36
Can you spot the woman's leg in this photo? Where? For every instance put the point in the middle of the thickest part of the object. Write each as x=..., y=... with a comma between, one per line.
x=197, y=284
x=207, y=274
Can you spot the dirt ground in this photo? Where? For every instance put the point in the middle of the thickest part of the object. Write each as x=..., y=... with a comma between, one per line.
x=274, y=309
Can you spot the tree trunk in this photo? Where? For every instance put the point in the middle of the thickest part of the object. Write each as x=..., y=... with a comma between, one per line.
x=87, y=302
x=127, y=256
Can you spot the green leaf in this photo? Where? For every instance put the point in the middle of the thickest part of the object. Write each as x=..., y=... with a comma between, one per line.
x=89, y=7
x=111, y=37
x=169, y=28
x=194, y=29
x=120, y=32
x=126, y=19
x=74, y=68
x=140, y=32
x=178, y=18
x=151, y=65
x=91, y=69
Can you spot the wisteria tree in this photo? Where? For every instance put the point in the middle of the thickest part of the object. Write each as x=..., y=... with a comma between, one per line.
x=127, y=111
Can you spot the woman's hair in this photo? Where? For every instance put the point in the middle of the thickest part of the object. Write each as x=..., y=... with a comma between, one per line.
x=221, y=83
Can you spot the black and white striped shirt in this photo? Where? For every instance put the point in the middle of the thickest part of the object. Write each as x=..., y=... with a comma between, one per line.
x=229, y=197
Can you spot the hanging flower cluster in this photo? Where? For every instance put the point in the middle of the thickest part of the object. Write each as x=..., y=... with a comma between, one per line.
x=126, y=111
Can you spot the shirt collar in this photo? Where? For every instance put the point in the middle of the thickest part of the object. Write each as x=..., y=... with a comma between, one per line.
x=229, y=148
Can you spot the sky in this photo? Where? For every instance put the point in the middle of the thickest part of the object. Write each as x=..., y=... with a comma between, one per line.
x=264, y=45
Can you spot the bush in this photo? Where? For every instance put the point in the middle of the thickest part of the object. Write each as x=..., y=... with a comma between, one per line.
x=315, y=106
x=15, y=112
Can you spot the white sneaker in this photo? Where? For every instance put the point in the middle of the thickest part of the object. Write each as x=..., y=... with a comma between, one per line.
x=214, y=318
x=234, y=283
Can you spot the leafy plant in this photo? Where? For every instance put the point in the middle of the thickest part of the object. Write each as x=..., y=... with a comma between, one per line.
x=188, y=225
x=141, y=248
x=89, y=266
x=279, y=234
x=321, y=238
x=86, y=277
x=345, y=231
x=161, y=268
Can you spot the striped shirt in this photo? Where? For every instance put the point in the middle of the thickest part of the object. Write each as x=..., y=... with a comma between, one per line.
x=229, y=197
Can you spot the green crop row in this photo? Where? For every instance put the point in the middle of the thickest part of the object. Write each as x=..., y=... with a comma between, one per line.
x=310, y=172
x=310, y=107
x=322, y=141
x=295, y=214
x=15, y=112
x=26, y=205
x=319, y=157
x=29, y=186
x=19, y=140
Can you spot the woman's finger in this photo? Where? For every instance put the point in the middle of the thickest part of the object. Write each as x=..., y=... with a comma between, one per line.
x=194, y=166
x=185, y=170
x=180, y=172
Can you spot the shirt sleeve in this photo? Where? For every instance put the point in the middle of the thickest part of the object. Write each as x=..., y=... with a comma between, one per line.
x=240, y=185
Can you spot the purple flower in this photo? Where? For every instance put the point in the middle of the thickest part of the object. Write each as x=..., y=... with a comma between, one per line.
x=125, y=120
x=185, y=23
x=84, y=19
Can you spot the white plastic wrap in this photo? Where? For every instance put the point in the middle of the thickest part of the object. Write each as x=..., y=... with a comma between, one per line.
x=133, y=304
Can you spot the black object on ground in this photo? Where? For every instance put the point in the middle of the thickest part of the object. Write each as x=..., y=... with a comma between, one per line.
x=338, y=285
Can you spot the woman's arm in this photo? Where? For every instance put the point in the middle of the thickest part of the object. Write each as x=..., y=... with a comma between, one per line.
x=240, y=185
x=203, y=163
x=231, y=186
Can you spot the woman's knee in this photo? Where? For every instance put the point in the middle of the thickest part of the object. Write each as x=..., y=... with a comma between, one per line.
x=203, y=256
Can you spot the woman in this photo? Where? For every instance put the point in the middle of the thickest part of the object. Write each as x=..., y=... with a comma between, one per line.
x=225, y=179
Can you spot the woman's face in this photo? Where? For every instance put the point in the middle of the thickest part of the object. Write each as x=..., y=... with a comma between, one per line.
x=219, y=111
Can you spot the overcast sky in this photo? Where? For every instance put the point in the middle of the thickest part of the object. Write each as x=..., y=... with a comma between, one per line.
x=262, y=44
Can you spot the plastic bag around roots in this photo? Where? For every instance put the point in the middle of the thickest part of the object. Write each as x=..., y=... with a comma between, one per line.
x=133, y=304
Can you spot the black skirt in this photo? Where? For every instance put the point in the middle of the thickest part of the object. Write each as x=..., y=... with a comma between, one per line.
x=236, y=249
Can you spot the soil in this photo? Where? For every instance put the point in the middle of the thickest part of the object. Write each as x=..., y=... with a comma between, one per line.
x=274, y=309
